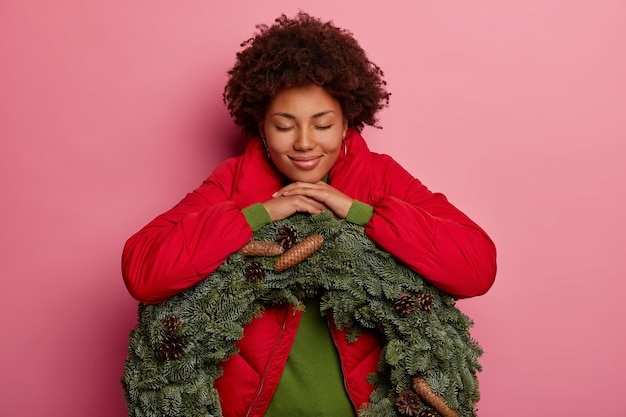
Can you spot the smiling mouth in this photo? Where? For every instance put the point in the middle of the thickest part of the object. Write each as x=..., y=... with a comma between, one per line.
x=306, y=162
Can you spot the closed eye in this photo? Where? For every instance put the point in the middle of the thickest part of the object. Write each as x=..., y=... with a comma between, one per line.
x=283, y=129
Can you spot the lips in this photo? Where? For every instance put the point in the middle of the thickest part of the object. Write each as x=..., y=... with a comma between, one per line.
x=305, y=162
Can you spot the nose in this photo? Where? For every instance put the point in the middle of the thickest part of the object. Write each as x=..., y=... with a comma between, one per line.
x=304, y=140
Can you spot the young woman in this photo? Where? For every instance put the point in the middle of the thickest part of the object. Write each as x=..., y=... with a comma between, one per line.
x=302, y=90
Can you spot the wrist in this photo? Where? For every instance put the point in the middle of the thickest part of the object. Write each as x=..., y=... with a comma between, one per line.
x=360, y=213
x=257, y=216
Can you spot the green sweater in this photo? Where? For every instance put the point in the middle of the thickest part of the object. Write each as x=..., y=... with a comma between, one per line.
x=311, y=383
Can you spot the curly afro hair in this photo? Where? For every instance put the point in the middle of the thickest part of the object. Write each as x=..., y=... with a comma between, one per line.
x=298, y=51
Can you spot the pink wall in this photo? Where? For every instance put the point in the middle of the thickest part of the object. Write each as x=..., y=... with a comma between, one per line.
x=111, y=111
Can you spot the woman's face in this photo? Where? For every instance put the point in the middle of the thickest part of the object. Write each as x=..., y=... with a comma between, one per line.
x=303, y=129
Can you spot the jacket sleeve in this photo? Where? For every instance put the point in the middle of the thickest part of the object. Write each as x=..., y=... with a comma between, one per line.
x=184, y=245
x=431, y=236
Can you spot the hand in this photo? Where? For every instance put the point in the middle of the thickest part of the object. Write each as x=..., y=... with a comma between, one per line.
x=319, y=195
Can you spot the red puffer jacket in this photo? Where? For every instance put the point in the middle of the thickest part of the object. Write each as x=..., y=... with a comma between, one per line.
x=185, y=244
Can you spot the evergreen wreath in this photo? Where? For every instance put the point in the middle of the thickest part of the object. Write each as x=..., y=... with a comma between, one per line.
x=428, y=363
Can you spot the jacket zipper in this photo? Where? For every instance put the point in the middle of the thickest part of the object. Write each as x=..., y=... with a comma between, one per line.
x=343, y=370
x=269, y=361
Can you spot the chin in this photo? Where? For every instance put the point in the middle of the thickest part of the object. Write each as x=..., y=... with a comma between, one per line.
x=311, y=179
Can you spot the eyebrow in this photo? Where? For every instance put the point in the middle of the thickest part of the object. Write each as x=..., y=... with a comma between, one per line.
x=291, y=116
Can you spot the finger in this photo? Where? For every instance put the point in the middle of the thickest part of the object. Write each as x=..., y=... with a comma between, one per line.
x=334, y=200
x=305, y=204
x=291, y=188
x=315, y=191
x=283, y=207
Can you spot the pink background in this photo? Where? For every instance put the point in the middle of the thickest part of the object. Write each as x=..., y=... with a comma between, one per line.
x=111, y=111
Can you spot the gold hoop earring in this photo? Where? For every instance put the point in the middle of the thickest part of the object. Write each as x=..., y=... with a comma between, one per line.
x=345, y=148
x=267, y=150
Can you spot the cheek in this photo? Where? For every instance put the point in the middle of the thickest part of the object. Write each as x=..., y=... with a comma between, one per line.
x=277, y=144
x=333, y=145
x=331, y=141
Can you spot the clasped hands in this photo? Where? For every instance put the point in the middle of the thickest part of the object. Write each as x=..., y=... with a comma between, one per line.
x=302, y=197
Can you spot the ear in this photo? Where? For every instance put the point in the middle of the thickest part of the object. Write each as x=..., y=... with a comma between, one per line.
x=345, y=127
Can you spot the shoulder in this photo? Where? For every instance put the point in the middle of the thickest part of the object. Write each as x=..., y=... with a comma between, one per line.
x=224, y=172
x=364, y=155
x=387, y=168
x=387, y=176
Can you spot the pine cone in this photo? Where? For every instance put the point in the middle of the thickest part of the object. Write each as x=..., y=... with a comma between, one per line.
x=255, y=271
x=426, y=393
x=171, y=324
x=261, y=248
x=428, y=412
x=299, y=252
x=408, y=403
x=172, y=347
x=404, y=304
x=287, y=237
x=424, y=302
